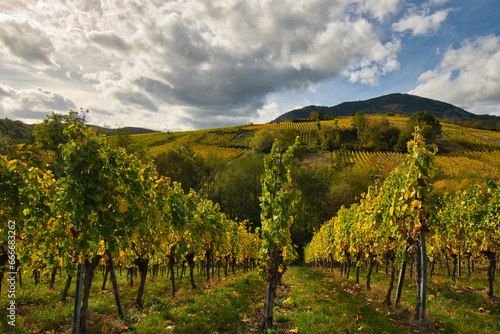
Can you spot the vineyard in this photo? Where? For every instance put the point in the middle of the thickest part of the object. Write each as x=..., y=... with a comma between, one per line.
x=110, y=212
x=232, y=142
x=448, y=166
x=110, y=209
x=400, y=219
x=474, y=139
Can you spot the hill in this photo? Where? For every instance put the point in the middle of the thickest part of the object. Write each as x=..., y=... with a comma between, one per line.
x=125, y=130
x=402, y=104
x=20, y=132
x=232, y=142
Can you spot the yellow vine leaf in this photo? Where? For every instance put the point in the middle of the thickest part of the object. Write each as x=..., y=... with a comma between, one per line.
x=416, y=204
x=122, y=255
x=81, y=258
x=51, y=223
x=123, y=205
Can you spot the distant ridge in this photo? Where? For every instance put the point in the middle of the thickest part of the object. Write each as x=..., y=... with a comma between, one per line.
x=20, y=132
x=128, y=129
x=402, y=104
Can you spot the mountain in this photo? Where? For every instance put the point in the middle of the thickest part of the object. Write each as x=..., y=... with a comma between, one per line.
x=402, y=104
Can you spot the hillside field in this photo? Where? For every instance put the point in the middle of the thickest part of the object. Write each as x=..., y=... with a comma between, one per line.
x=462, y=151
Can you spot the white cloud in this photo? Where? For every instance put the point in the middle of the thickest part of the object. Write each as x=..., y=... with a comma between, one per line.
x=216, y=61
x=468, y=76
x=382, y=59
x=379, y=9
x=267, y=112
x=108, y=39
x=438, y=2
x=33, y=104
x=27, y=42
x=421, y=23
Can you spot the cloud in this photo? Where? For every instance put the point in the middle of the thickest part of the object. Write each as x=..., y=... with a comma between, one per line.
x=379, y=9
x=108, y=39
x=137, y=98
x=213, y=62
x=32, y=103
x=269, y=111
x=421, y=23
x=438, y=2
x=27, y=42
x=382, y=59
x=5, y=91
x=468, y=76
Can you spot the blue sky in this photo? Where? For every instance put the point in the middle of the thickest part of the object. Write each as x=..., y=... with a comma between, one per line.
x=177, y=65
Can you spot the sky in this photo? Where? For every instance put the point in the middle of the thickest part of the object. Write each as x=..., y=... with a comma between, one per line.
x=194, y=64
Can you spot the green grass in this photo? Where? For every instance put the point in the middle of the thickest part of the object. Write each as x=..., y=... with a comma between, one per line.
x=322, y=304
x=311, y=301
x=460, y=307
x=216, y=306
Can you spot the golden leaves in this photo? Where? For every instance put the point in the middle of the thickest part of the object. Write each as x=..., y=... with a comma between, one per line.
x=51, y=223
x=123, y=205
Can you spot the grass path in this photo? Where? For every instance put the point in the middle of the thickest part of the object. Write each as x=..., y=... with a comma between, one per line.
x=310, y=301
x=316, y=302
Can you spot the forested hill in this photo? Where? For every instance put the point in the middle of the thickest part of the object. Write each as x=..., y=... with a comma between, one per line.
x=17, y=131
x=402, y=104
x=126, y=130
x=20, y=132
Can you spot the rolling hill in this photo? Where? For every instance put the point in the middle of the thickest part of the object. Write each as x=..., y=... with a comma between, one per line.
x=20, y=132
x=401, y=104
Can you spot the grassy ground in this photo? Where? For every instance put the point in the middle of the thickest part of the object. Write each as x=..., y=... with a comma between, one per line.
x=212, y=307
x=460, y=307
x=310, y=301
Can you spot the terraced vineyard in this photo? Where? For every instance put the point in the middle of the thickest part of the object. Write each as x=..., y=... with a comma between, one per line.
x=231, y=142
x=474, y=139
x=228, y=143
x=448, y=165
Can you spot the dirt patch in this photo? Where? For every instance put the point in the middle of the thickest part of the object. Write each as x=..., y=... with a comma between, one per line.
x=492, y=140
x=446, y=145
x=316, y=159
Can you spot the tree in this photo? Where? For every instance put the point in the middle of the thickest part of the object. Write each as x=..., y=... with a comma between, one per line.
x=16, y=130
x=359, y=122
x=382, y=136
x=346, y=186
x=309, y=213
x=179, y=165
x=314, y=116
x=48, y=138
x=237, y=188
x=287, y=137
x=6, y=145
x=430, y=128
x=262, y=141
x=120, y=138
x=50, y=133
